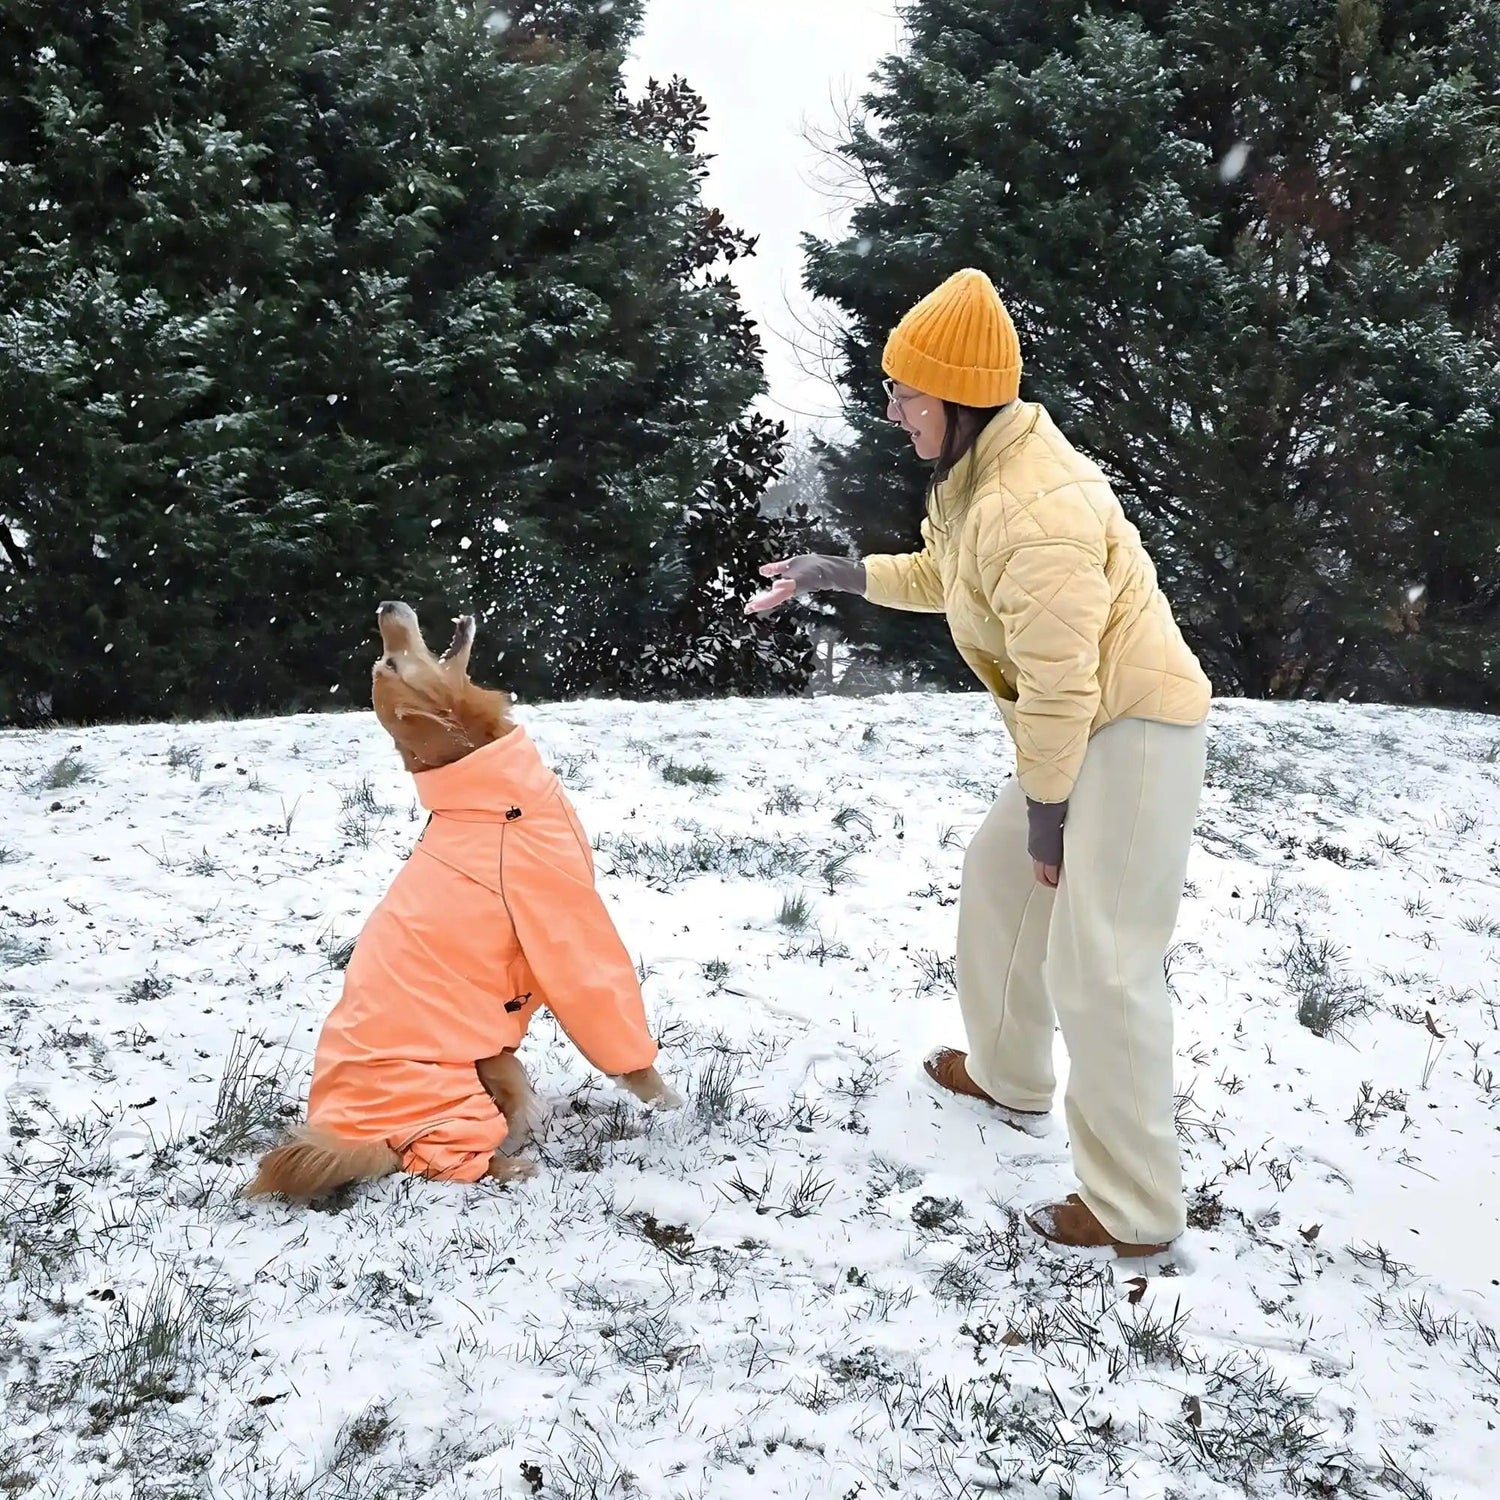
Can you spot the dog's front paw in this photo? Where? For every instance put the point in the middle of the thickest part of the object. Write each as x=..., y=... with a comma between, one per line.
x=650, y=1089
x=510, y=1168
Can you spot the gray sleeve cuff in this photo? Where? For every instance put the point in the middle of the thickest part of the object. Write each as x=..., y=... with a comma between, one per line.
x=1044, y=831
x=845, y=574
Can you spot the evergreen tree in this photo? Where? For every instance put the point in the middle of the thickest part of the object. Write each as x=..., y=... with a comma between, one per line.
x=1254, y=258
x=302, y=307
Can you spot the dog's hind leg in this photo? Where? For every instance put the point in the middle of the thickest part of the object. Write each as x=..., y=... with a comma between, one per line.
x=505, y=1081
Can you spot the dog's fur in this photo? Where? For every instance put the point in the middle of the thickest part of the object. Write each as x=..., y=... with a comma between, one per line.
x=436, y=716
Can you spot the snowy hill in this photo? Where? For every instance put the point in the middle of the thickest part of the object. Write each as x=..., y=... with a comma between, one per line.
x=813, y=1281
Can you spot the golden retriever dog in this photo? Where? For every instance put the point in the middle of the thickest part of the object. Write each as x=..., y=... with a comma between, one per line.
x=495, y=915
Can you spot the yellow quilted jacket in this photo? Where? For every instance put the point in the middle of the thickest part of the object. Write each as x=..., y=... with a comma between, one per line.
x=1050, y=596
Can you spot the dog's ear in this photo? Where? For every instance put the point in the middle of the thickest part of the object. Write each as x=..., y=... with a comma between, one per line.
x=411, y=711
x=456, y=657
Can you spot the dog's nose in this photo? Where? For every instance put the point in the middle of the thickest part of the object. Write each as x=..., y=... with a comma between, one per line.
x=388, y=608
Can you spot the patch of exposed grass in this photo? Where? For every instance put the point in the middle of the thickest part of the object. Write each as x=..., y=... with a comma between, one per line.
x=151, y=986
x=784, y=801
x=835, y=870
x=255, y=1101
x=338, y=952
x=1327, y=999
x=935, y=971
x=795, y=913
x=17, y=949
x=62, y=774
x=666, y=862
x=187, y=758
x=716, y=1095
x=680, y=775
x=154, y=1346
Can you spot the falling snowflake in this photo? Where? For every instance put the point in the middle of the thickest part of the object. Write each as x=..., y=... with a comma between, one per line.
x=1234, y=162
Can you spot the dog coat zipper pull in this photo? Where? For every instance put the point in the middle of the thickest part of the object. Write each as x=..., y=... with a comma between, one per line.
x=513, y=814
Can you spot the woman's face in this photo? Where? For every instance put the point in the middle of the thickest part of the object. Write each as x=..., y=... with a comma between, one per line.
x=923, y=418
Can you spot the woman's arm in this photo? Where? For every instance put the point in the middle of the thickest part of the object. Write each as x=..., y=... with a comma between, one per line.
x=906, y=580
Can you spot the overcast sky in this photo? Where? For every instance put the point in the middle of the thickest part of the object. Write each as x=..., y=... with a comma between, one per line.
x=769, y=69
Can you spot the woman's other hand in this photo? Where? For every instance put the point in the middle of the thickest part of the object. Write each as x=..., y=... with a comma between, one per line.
x=1044, y=839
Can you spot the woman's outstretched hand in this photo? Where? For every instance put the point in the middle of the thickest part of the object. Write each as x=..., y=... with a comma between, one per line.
x=808, y=574
x=784, y=588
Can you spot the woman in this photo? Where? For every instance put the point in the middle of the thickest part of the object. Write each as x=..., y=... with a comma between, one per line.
x=1071, y=886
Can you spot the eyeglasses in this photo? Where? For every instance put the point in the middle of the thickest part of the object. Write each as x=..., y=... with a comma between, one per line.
x=899, y=402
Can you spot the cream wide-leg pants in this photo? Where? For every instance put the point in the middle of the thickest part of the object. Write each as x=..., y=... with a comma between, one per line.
x=1089, y=958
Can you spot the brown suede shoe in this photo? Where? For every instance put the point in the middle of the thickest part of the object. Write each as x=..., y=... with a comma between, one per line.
x=947, y=1068
x=1073, y=1226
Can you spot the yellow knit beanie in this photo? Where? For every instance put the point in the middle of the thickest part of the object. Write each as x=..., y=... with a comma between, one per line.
x=958, y=345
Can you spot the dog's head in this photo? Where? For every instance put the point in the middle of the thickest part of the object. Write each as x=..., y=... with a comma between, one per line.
x=426, y=703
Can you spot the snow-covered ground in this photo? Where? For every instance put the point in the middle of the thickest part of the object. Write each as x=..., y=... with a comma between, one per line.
x=813, y=1281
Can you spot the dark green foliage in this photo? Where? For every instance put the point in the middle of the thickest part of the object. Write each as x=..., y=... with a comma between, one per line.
x=709, y=646
x=1253, y=254
x=303, y=307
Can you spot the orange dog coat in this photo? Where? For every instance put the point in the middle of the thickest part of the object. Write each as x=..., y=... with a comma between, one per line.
x=495, y=914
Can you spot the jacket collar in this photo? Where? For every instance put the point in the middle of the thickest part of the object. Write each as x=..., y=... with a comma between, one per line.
x=489, y=782
x=1004, y=430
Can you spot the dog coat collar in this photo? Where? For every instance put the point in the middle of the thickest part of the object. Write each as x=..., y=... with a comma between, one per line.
x=493, y=783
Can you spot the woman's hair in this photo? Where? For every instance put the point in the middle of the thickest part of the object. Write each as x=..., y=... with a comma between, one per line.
x=965, y=423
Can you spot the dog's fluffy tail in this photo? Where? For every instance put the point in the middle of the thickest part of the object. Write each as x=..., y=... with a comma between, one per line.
x=311, y=1163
